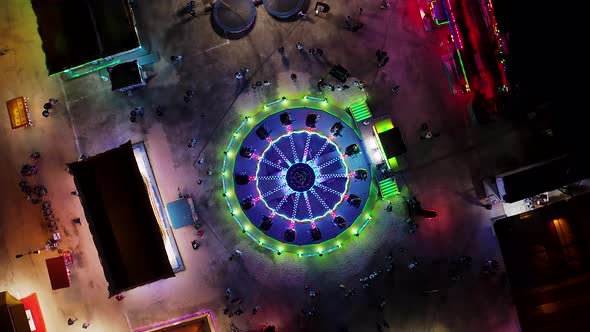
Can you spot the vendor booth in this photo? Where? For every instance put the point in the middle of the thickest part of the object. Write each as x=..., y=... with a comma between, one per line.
x=126, y=76
x=18, y=112
x=182, y=212
x=59, y=274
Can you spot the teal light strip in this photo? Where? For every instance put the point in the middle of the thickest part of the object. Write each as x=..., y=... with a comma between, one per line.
x=314, y=98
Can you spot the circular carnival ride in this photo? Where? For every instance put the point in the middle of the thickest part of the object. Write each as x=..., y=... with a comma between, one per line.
x=298, y=175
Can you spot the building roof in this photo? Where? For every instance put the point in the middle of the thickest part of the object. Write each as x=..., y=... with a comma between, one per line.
x=121, y=219
x=75, y=32
x=546, y=256
x=541, y=177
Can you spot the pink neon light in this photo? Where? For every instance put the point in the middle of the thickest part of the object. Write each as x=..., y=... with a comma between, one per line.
x=272, y=215
x=455, y=24
x=292, y=225
x=313, y=224
x=332, y=214
x=252, y=178
x=346, y=196
x=255, y=156
x=257, y=199
x=268, y=139
x=176, y=320
x=289, y=129
x=351, y=174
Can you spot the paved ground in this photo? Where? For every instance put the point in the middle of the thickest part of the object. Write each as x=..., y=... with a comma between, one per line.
x=90, y=119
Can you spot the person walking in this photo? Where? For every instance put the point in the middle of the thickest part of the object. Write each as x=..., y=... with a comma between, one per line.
x=299, y=45
x=85, y=325
x=192, y=143
x=348, y=22
x=255, y=310
x=71, y=321
x=319, y=51
x=139, y=111
x=45, y=113
x=160, y=110
x=384, y=62
x=293, y=77
x=381, y=55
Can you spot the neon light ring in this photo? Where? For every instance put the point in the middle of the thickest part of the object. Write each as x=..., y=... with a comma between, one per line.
x=299, y=176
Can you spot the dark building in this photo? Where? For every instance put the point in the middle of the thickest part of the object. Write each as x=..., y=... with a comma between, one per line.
x=547, y=256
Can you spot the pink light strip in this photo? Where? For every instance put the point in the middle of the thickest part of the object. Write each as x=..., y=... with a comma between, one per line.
x=455, y=25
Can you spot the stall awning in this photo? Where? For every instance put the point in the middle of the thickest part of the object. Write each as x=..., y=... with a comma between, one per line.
x=121, y=218
x=58, y=272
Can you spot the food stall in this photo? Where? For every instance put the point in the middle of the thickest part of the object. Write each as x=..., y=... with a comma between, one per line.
x=18, y=112
x=59, y=273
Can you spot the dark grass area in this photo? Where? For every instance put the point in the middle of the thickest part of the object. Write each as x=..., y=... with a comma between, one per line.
x=74, y=32
x=121, y=219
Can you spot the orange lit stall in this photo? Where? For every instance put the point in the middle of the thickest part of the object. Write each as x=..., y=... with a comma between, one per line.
x=18, y=112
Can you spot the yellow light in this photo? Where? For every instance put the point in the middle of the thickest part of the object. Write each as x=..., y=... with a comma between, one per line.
x=339, y=245
x=246, y=227
x=300, y=255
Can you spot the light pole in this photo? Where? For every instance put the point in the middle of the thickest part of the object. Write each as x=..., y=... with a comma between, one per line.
x=36, y=252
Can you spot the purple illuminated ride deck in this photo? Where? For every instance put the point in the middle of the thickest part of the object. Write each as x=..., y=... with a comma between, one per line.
x=301, y=176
